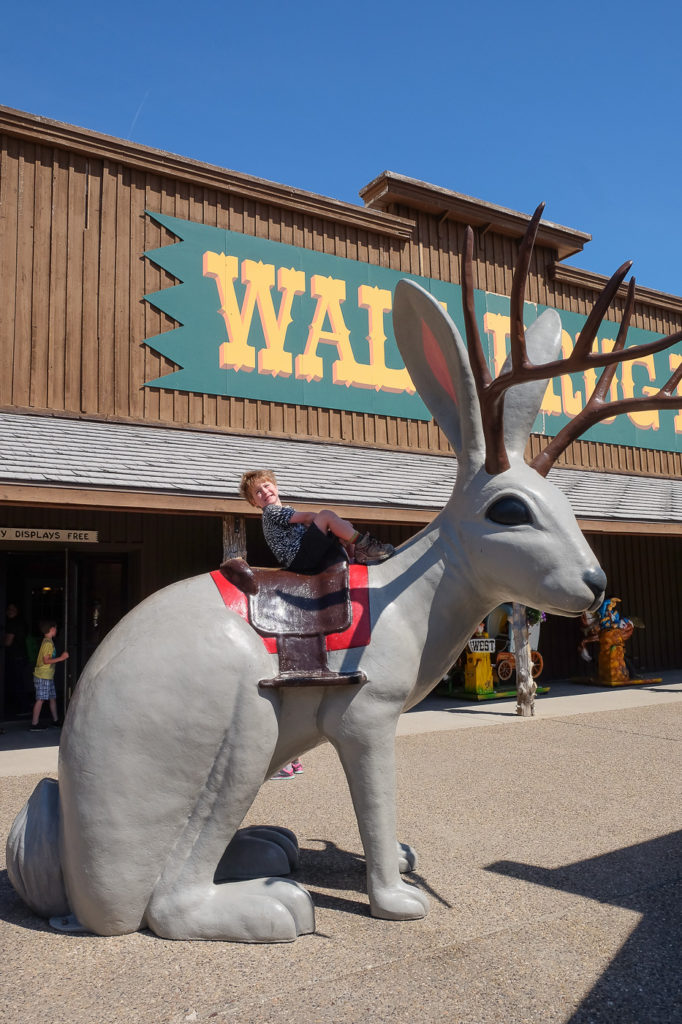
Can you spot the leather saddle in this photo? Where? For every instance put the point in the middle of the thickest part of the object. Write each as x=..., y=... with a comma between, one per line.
x=299, y=611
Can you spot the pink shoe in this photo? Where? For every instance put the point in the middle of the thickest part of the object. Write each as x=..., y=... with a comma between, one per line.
x=297, y=767
x=283, y=773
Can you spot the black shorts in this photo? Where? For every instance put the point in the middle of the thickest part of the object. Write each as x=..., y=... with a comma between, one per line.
x=317, y=552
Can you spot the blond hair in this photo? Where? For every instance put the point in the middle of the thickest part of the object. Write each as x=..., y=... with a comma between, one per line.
x=253, y=477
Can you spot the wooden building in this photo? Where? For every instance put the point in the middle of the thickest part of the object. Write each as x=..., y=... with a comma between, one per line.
x=133, y=390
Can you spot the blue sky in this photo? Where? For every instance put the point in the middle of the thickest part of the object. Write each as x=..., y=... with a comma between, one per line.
x=575, y=104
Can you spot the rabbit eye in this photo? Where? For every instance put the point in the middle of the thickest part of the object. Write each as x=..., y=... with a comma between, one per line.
x=509, y=511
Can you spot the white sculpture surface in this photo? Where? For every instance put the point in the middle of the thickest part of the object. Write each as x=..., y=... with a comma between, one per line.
x=169, y=737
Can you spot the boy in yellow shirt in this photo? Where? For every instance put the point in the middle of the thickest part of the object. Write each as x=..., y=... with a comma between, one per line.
x=43, y=675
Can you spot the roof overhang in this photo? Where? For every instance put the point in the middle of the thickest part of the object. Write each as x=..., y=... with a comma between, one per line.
x=53, y=461
x=43, y=130
x=389, y=188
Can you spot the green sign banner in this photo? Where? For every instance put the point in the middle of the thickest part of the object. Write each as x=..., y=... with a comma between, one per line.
x=269, y=321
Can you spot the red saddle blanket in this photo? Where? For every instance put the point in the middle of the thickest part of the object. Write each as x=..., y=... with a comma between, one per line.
x=357, y=634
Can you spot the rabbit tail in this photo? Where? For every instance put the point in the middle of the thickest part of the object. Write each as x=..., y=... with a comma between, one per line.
x=33, y=863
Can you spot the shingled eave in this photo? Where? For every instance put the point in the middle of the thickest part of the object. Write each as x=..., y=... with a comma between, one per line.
x=53, y=461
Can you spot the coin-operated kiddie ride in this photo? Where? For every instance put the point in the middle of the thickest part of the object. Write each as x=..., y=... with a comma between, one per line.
x=490, y=665
x=614, y=631
x=478, y=669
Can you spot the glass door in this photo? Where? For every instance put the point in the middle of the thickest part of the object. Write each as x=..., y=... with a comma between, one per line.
x=97, y=597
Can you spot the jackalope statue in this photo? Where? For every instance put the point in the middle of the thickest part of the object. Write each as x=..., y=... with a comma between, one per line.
x=143, y=827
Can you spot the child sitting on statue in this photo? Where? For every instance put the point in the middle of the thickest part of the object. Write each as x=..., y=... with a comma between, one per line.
x=306, y=542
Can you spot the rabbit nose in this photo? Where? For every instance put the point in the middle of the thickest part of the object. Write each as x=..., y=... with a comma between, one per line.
x=596, y=581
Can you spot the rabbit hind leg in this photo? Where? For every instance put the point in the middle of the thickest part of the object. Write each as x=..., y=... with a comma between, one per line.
x=188, y=901
x=254, y=910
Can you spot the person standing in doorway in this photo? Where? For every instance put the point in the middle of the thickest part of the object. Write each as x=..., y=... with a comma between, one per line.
x=43, y=675
x=17, y=666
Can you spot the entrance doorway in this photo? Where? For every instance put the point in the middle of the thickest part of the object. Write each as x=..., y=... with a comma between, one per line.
x=85, y=593
x=97, y=587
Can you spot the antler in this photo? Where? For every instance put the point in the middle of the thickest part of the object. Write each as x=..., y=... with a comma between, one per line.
x=491, y=391
x=596, y=407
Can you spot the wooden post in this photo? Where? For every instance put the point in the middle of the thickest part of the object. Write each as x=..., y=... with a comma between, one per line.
x=234, y=537
x=525, y=684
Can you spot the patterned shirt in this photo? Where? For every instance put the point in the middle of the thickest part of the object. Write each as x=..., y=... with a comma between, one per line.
x=283, y=538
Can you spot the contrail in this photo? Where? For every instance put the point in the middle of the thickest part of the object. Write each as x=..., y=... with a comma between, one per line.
x=138, y=111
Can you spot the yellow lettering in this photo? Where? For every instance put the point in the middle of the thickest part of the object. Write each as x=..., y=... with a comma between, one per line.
x=273, y=359
x=330, y=293
x=572, y=400
x=604, y=345
x=675, y=361
x=498, y=325
x=551, y=401
x=235, y=354
x=259, y=278
x=377, y=302
x=645, y=420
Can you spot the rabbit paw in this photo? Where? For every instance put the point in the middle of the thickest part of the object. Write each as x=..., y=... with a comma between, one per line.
x=401, y=902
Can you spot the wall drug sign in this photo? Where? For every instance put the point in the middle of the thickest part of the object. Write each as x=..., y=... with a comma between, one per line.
x=269, y=321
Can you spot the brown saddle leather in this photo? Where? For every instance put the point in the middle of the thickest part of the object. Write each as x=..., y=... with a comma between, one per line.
x=299, y=611
x=290, y=604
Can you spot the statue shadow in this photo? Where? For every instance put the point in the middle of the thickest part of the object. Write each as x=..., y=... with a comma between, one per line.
x=321, y=868
x=331, y=867
x=643, y=982
x=14, y=911
x=460, y=706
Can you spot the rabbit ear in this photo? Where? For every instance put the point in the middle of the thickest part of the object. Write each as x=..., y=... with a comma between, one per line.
x=438, y=363
x=522, y=402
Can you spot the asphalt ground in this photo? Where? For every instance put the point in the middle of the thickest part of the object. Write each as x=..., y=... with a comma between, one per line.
x=551, y=849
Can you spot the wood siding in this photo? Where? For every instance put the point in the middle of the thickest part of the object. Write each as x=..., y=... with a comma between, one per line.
x=646, y=574
x=163, y=548
x=73, y=232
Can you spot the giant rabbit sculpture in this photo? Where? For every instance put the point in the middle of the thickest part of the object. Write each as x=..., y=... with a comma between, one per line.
x=169, y=737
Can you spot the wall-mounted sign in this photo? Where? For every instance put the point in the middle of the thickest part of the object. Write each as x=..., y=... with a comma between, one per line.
x=269, y=321
x=33, y=533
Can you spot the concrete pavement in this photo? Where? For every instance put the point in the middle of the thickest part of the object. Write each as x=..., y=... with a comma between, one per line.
x=551, y=848
x=25, y=753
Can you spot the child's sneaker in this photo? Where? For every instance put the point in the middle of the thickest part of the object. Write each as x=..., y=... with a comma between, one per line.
x=297, y=767
x=369, y=549
x=283, y=773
